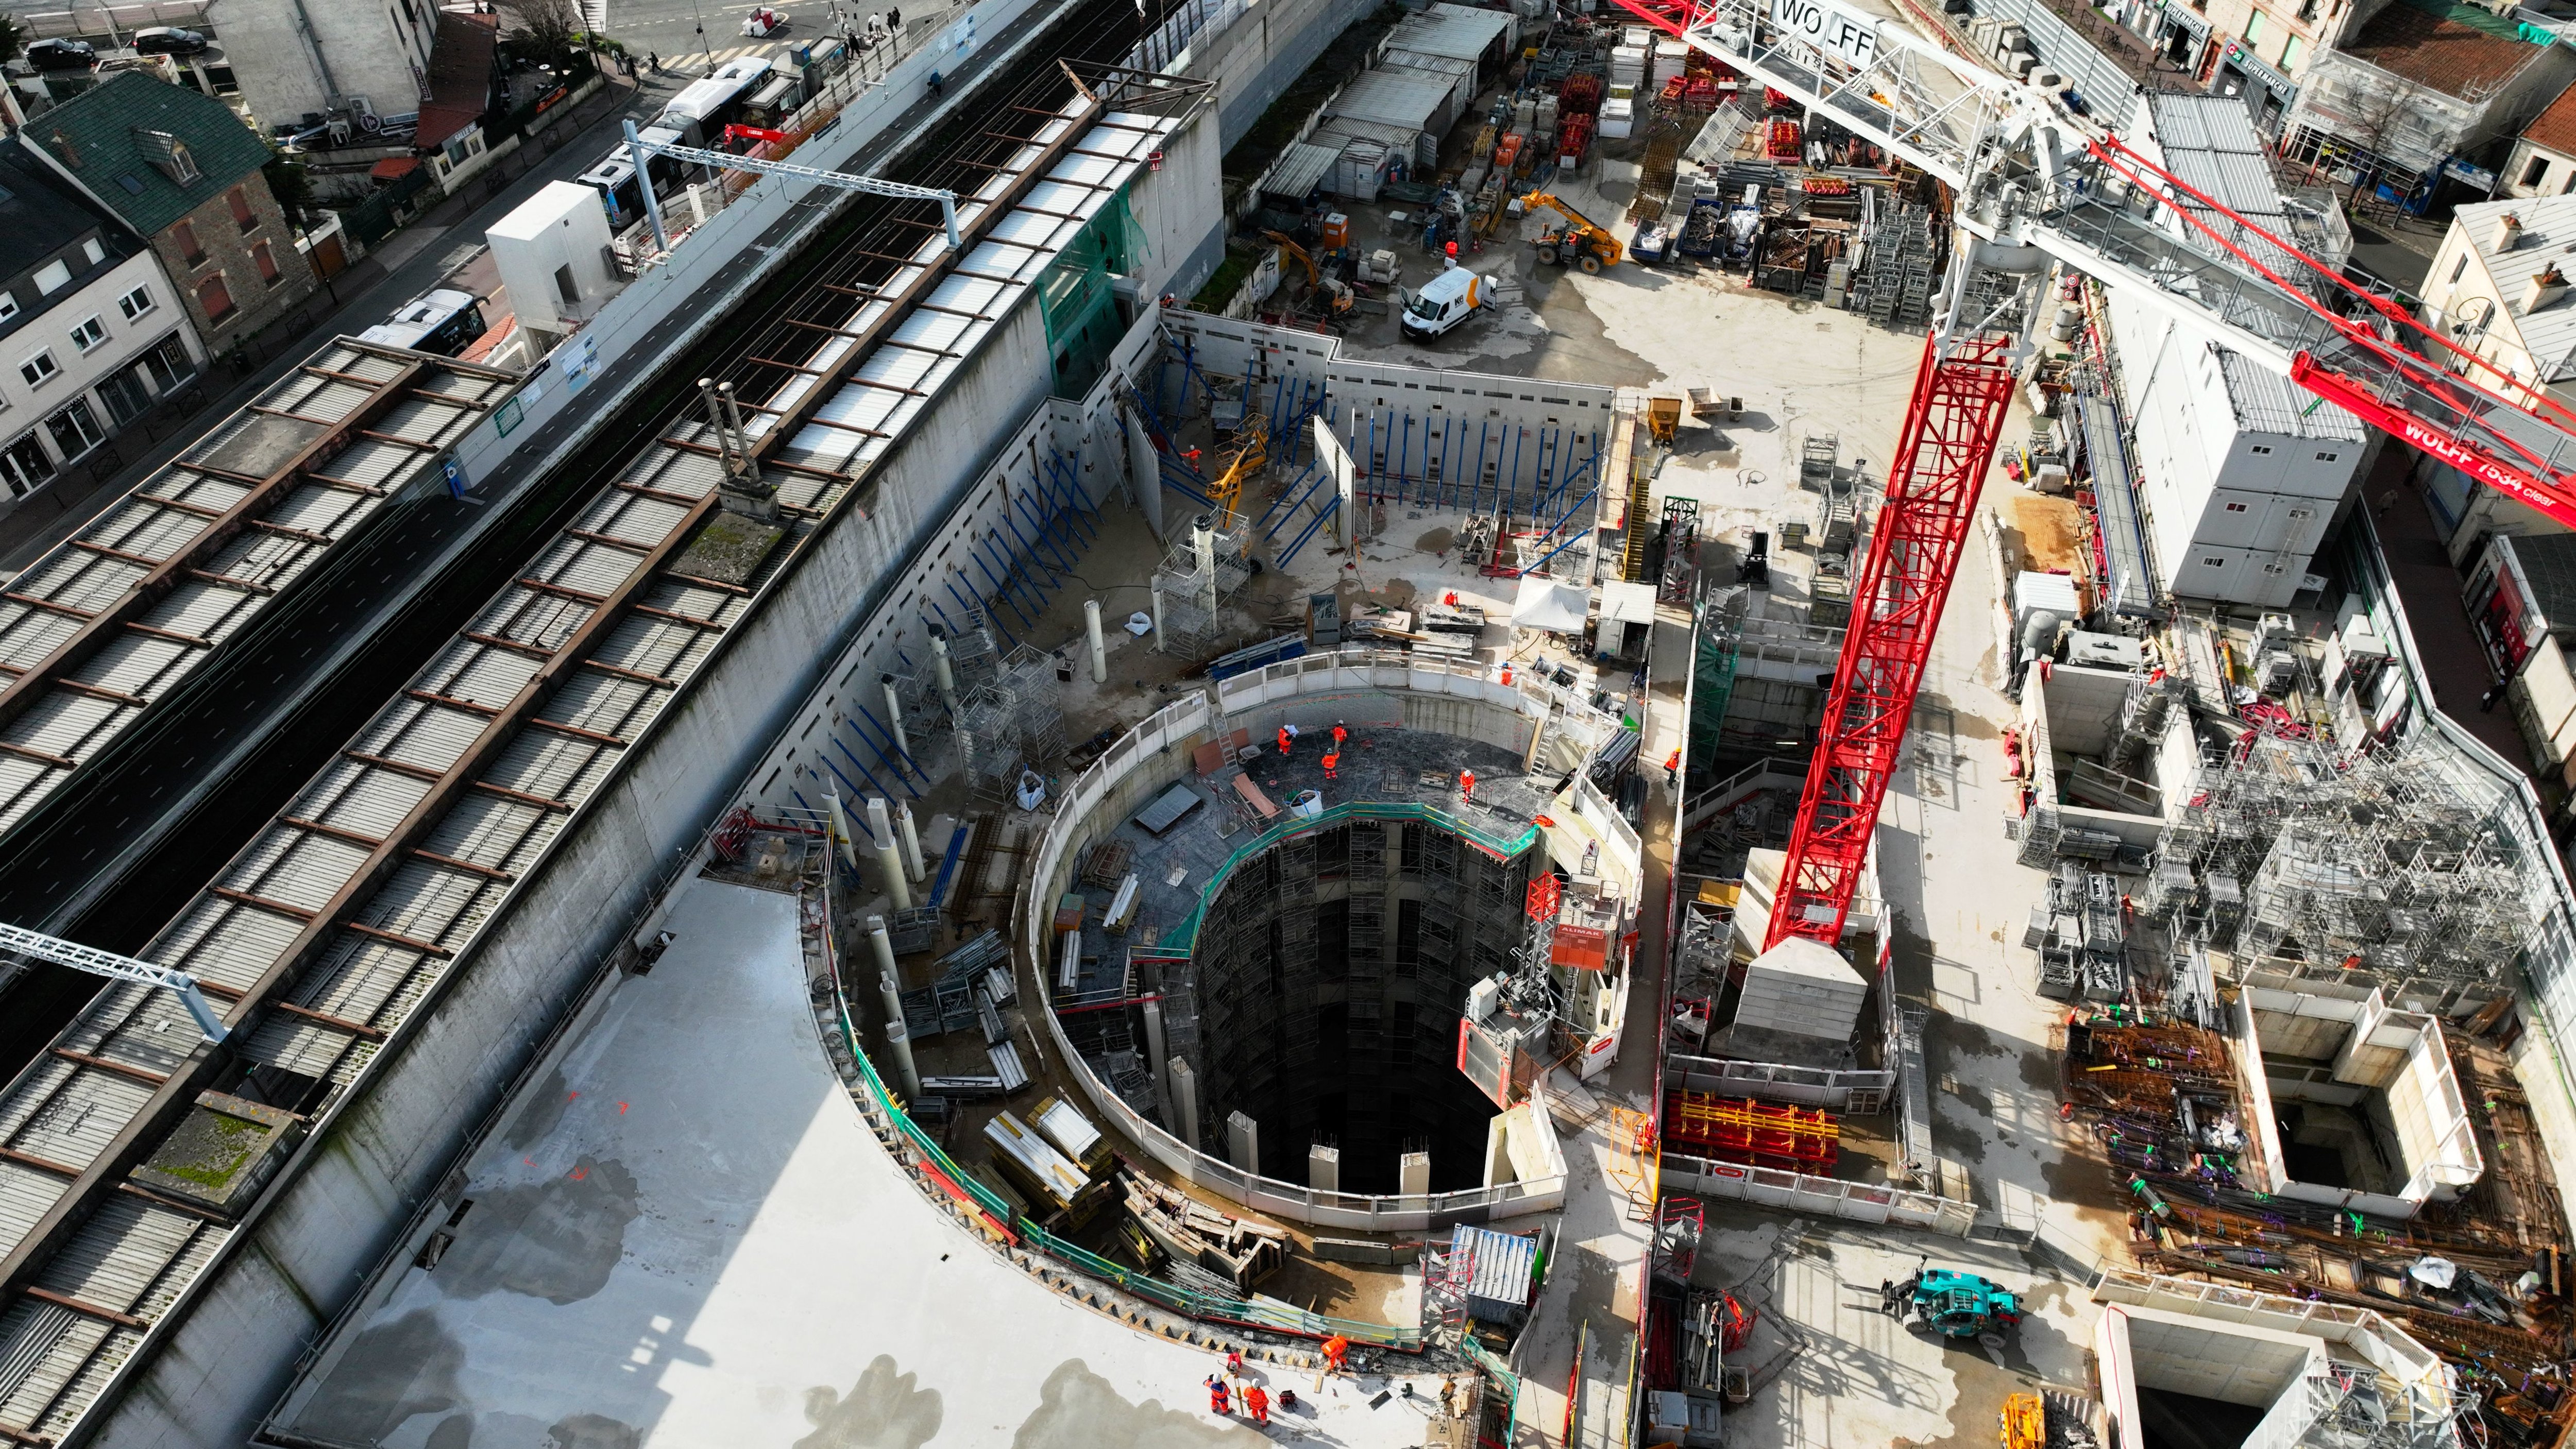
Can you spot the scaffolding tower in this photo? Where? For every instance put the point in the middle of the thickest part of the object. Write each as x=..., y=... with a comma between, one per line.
x=2378, y=862
x=1203, y=568
x=1013, y=718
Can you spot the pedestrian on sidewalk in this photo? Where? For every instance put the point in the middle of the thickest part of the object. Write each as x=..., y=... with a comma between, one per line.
x=2487, y=701
x=894, y=20
x=653, y=61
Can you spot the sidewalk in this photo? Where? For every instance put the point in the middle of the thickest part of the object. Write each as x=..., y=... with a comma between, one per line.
x=406, y=264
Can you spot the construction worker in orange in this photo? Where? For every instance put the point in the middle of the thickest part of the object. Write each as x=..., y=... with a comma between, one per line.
x=1220, y=1401
x=1332, y=764
x=1256, y=1402
x=1287, y=737
x=1337, y=1353
x=1467, y=785
x=1341, y=732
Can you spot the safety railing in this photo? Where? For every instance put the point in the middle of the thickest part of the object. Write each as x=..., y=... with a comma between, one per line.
x=1860, y=1202
x=1180, y=937
x=1171, y=729
x=931, y=1161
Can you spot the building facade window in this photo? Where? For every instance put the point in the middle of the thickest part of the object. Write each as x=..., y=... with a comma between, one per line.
x=8, y=306
x=2535, y=173
x=139, y=301
x=184, y=237
x=215, y=298
x=53, y=276
x=89, y=332
x=125, y=395
x=24, y=466
x=267, y=263
x=75, y=429
x=39, y=369
x=239, y=200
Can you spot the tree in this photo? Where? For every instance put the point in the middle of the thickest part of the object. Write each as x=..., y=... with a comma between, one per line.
x=13, y=37
x=2377, y=116
x=548, y=31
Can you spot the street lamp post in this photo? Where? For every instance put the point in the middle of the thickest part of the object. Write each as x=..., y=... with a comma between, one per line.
x=704, y=54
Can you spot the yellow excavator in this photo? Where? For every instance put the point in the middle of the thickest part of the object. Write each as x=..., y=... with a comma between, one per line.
x=1581, y=241
x=1331, y=298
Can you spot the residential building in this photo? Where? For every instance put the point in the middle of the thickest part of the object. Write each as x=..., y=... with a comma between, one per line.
x=92, y=335
x=2420, y=89
x=461, y=75
x=2263, y=47
x=2239, y=479
x=300, y=59
x=180, y=169
x=2498, y=288
x=2543, y=161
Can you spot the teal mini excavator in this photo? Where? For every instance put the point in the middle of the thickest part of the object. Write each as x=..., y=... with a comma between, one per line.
x=1955, y=1305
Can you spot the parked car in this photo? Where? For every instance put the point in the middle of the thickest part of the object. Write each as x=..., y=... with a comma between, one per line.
x=62, y=55
x=168, y=40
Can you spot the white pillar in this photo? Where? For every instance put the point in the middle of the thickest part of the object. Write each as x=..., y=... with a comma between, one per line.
x=889, y=855
x=1158, y=620
x=841, y=829
x=910, y=837
x=894, y=716
x=697, y=204
x=1413, y=1174
x=1099, y=648
x=1324, y=1168
x=898, y=1034
x=883, y=942
x=1156, y=1054
x=947, y=677
x=1243, y=1142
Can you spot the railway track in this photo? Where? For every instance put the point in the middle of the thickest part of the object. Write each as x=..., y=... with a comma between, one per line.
x=69, y=869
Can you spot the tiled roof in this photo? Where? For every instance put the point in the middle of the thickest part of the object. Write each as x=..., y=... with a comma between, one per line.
x=2555, y=128
x=40, y=216
x=2435, y=45
x=101, y=137
x=460, y=77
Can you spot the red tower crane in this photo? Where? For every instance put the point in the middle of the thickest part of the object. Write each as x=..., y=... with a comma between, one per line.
x=2032, y=175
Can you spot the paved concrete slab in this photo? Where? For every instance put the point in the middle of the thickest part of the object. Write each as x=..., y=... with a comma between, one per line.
x=1832, y=1369
x=683, y=1234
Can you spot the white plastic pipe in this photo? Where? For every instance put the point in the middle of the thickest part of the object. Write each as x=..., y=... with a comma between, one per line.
x=910, y=835
x=898, y=1035
x=1158, y=621
x=889, y=854
x=884, y=945
x=1099, y=648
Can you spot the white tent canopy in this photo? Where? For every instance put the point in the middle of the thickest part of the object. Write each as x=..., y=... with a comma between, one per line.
x=1545, y=603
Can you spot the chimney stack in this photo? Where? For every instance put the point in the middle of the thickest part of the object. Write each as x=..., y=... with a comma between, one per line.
x=2546, y=286
x=2508, y=232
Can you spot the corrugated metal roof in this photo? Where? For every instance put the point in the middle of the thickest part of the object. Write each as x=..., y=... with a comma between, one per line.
x=2131, y=588
x=1499, y=1285
x=1459, y=31
x=1300, y=169
x=2548, y=239
x=2265, y=403
x=382, y=925
x=140, y=615
x=1396, y=97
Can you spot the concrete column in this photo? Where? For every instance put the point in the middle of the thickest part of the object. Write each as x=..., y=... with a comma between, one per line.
x=884, y=948
x=1243, y=1142
x=1158, y=620
x=898, y=1034
x=1413, y=1174
x=1324, y=1168
x=1099, y=649
x=1185, y=1102
x=909, y=835
x=894, y=715
x=947, y=677
x=1156, y=1054
x=889, y=856
x=841, y=840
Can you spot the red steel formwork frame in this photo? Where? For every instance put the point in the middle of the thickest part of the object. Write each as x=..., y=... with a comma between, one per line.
x=1951, y=429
